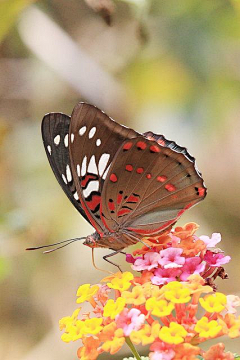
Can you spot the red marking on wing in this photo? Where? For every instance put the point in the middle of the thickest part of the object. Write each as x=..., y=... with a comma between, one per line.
x=127, y=146
x=170, y=187
x=94, y=202
x=85, y=208
x=129, y=167
x=141, y=145
x=113, y=177
x=154, y=148
x=123, y=212
x=119, y=199
x=132, y=198
x=148, y=176
x=161, y=178
x=87, y=178
x=201, y=191
x=111, y=205
x=183, y=210
x=140, y=170
x=161, y=142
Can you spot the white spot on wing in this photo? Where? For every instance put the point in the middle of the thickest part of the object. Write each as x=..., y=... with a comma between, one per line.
x=64, y=179
x=92, y=186
x=57, y=140
x=103, y=163
x=78, y=169
x=69, y=174
x=92, y=132
x=106, y=172
x=66, y=140
x=98, y=142
x=84, y=166
x=75, y=195
x=49, y=149
x=82, y=130
x=72, y=138
x=92, y=167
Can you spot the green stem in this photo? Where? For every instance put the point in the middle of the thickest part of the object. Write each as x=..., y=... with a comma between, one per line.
x=133, y=349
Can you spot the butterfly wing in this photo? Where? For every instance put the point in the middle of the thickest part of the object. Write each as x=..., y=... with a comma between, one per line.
x=94, y=140
x=55, y=134
x=149, y=185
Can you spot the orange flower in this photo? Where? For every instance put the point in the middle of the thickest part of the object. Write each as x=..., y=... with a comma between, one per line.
x=191, y=247
x=112, y=338
x=230, y=325
x=143, y=278
x=187, y=230
x=158, y=242
x=90, y=349
x=186, y=352
x=216, y=352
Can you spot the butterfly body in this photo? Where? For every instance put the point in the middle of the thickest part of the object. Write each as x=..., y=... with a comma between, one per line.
x=126, y=184
x=116, y=241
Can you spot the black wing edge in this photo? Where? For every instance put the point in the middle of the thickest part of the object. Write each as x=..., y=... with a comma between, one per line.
x=48, y=126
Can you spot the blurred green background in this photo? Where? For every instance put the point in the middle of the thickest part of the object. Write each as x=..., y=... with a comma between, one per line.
x=172, y=67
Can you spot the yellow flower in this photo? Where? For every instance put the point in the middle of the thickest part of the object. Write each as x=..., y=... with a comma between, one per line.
x=86, y=292
x=177, y=293
x=146, y=335
x=214, y=303
x=119, y=281
x=136, y=297
x=160, y=307
x=67, y=321
x=112, y=309
x=174, y=334
x=206, y=328
x=92, y=326
x=112, y=338
x=73, y=332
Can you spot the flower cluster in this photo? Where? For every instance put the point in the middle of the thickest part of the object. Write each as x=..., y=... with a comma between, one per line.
x=171, y=314
x=177, y=254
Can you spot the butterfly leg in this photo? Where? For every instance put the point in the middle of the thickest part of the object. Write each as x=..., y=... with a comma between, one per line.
x=110, y=255
x=120, y=251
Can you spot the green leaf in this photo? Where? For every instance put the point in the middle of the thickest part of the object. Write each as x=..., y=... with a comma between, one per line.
x=10, y=10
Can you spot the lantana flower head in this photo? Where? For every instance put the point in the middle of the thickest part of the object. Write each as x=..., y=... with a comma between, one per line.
x=168, y=305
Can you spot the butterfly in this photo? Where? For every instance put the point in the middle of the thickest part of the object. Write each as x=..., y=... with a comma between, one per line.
x=127, y=185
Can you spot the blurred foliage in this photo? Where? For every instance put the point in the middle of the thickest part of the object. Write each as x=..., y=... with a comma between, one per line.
x=167, y=66
x=10, y=10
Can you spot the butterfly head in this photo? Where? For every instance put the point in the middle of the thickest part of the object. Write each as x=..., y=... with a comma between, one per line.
x=92, y=240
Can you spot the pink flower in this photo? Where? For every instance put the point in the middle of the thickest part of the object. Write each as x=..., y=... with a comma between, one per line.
x=148, y=262
x=164, y=276
x=161, y=351
x=211, y=242
x=216, y=259
x=130, y=320
x=170, y=258
x=193, y=265
x=130, y=259
x=232, y=302
x=175, y=239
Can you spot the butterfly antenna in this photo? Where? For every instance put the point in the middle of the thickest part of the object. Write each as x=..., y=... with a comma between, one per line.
x=68, y=242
